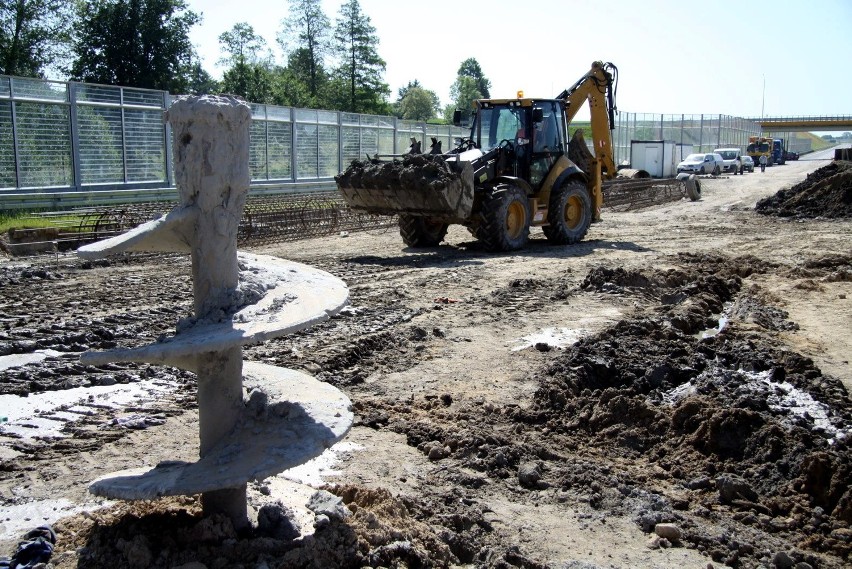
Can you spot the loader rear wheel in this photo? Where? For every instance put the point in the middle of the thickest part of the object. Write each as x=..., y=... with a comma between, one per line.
x=420, y=231
x=568, y=214
x=505, y=219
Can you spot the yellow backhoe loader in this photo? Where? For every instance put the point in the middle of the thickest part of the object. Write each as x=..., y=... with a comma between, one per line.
x=511, y=173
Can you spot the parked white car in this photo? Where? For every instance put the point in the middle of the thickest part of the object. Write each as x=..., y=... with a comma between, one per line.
x=732, y=160
x=709, y=163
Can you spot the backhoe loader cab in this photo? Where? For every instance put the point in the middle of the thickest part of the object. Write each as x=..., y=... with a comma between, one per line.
x=511, y=173
x=533, y=133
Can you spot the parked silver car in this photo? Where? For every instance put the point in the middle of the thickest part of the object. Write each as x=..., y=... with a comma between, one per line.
x=748, y=163
x=709, y=163
x=732, y=158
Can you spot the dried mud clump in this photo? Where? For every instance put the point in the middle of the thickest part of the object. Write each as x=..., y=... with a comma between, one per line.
x=827, y=192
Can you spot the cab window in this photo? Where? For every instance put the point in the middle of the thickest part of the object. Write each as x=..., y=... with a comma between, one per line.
x=500, y=123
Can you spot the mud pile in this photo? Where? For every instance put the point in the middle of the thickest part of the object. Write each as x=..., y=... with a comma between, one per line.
x=374, y=529
x=421, y=172
x=665, y=418
x=827, y=192
x=723, y=415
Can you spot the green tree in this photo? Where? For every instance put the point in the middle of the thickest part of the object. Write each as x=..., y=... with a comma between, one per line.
x=199, y=81
x=252, y=81
x=249, y=74
x=417, y=104
x=137, y=43
x=34, y=35
x=402, y=91
x=470, y=68
x=463, y=92
x=288, y=90
x=298, y=70
x=306, y=35
x=241, y=44
x=361, y=69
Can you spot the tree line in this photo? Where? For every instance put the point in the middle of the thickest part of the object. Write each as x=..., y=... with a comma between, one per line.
x=145, y=43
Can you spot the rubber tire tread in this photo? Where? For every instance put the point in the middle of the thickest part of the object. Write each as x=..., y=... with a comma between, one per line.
x=417, y=232
x=693, y=188
x=492, y=226
x=557, y=232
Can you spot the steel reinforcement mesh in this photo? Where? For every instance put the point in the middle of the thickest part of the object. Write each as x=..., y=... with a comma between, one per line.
x=290, y=217
x=265, y=219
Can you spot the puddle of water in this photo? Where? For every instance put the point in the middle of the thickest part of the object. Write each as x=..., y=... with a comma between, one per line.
x=710, y=332
x=44, y=414
x=314, y=471
x=18, y=519
x=554, y=337
x=674, y=395
x=782, y=397
x=18, y=360
x=722, y=323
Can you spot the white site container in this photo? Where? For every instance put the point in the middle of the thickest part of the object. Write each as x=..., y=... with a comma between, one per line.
x=657, y=157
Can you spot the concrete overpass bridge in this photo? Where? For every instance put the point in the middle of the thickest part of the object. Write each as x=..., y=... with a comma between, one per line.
x=803, y=124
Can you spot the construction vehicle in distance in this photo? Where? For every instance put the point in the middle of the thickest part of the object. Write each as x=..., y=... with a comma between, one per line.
x=511, y=173
x=773, y=148
x=779, y=151
x=759, y=146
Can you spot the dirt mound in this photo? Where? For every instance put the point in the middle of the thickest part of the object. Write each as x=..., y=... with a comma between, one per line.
x=378, y=530
x=827, y=192
x=728, y=417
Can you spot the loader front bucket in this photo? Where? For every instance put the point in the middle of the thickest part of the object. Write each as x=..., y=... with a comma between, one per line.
x=418, y=184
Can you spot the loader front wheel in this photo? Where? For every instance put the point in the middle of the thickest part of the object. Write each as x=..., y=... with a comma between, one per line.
x=505, y=219
x=418, y=231
x=568, y=214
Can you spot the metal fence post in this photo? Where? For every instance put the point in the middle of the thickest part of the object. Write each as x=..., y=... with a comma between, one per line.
x=339, y=141
x=75, y=137
x=265, y=141
x=701, y=134
x=719, y=134
x=170, y=175
x=395, y=135
x=294, y=140
x=123, y=134
x=14, y=116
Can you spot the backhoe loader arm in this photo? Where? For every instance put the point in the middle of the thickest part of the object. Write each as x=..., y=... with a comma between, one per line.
x=598, y=88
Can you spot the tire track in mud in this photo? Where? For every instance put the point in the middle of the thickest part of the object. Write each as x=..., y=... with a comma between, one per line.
x=370, y=334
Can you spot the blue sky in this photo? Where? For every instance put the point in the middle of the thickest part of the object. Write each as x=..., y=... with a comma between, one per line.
x=673, y=57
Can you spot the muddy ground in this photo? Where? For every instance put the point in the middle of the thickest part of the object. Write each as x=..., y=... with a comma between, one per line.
x=687, y=364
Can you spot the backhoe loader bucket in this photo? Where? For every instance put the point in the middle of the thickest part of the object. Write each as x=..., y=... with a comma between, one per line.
x=418, y=184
